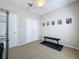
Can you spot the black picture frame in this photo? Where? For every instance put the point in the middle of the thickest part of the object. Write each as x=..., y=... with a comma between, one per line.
x=43, y=24
x=59, y=22
x=52, y=22
x=68, y=20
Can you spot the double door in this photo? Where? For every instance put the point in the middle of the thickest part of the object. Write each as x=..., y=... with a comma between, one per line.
x=31, y=30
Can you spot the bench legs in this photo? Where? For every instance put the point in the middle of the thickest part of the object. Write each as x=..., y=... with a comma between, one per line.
x=57, y=42
x=44, y=39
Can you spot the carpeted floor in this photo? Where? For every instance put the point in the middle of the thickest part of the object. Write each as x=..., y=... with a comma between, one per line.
x=35, y=50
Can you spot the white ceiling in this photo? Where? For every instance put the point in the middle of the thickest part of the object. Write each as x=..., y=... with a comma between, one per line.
x=49, y=6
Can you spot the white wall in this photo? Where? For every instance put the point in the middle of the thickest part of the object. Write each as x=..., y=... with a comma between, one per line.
x=22, y=13
x=68, y=33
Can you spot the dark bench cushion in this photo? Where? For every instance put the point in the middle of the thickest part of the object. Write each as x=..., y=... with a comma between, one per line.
x=51, y=38
x=56, y=39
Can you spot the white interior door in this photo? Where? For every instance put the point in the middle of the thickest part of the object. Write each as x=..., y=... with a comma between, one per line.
x=13, y=30
x=31, y=30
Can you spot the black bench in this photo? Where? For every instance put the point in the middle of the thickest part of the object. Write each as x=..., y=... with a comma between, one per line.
x=56, y=46
x=57, y=39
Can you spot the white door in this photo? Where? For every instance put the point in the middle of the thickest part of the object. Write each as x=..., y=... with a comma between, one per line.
x=31, y=30
x=13, y=30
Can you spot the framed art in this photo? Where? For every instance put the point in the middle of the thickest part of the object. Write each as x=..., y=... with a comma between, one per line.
x=43, y=24
x=68, y=20
x=59, y=22
x=52, y=22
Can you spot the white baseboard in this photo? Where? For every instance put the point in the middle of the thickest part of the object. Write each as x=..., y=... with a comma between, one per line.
x=22, y=44
x=71, y=46
x=62, y=44
x=25, y=43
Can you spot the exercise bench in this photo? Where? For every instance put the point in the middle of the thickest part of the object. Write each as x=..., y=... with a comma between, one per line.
x=56, y=39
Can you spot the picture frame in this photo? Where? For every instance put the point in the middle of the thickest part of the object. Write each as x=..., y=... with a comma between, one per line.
x=59, y=22
x=43, y=24
x=52, y=22
x=68, y=20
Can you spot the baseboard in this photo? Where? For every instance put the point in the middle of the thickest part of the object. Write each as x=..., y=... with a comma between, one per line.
x=77, y=48
x=25, y=43
x=63, y=44
x=22, y=44
x=71, y=46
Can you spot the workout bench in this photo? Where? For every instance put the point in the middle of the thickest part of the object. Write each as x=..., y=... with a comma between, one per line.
x=57, y=39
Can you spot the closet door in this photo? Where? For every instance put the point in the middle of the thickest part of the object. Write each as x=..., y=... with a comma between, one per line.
x=35, y=29
x=13, y=30
x=31, y=30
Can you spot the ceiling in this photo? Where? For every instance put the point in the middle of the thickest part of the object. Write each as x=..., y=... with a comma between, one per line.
x=49, y=6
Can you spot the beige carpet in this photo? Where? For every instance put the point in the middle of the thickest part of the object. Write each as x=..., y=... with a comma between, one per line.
x=35, y=50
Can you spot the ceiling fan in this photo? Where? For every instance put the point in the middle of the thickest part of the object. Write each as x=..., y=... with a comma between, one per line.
x=37, y=3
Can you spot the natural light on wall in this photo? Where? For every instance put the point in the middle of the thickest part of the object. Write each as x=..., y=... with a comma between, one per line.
x=39, y=3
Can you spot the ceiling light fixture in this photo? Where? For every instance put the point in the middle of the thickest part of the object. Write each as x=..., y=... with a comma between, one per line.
x=39, y=3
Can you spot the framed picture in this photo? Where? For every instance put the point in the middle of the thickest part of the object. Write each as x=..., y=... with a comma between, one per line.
x=68, y=20
x=59, y=22
x=47, y=23
x=43, y=24
x=52, y=22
